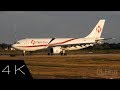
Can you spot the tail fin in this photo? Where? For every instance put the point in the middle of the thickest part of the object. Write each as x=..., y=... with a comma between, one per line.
x=96, y=32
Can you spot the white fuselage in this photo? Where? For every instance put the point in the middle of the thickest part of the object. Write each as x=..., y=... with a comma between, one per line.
x=37, y=44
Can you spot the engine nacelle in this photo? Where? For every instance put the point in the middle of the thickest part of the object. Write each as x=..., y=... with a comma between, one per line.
x=55, y=50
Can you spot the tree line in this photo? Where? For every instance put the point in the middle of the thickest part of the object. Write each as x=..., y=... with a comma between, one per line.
x=5, y=46
x=105, y=46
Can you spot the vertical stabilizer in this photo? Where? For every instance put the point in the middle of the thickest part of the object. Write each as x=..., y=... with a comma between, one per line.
x=96, y=32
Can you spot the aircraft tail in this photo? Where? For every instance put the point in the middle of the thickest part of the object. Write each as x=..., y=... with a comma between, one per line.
x=96, y=32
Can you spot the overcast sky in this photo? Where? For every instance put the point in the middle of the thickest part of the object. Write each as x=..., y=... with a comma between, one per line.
x=16, y=25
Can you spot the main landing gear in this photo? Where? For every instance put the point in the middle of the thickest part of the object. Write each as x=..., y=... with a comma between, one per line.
x=63, y=53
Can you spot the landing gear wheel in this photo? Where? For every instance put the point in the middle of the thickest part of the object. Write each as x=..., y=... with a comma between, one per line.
x=50, y=54
x=61, y=54
x=65, y=54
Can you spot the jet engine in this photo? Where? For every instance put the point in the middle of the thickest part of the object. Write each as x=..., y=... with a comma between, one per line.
x=54, y=50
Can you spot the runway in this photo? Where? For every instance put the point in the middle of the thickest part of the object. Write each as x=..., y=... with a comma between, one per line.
x=84, y=66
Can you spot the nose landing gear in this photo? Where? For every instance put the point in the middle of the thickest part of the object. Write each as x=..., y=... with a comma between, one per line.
x=23, y=53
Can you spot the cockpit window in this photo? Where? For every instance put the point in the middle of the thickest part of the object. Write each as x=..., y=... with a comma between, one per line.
x=17, y=42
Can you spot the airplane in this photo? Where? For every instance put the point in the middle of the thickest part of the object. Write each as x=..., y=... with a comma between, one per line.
x=60, y=45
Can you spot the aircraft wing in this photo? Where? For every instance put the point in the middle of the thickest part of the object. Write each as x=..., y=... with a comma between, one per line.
x=70, y=45
x=82, y=44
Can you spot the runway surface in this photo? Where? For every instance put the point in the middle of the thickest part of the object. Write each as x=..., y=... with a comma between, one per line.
x=84, y=66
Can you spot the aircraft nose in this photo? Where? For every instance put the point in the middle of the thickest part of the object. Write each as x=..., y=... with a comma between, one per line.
x=13, y=45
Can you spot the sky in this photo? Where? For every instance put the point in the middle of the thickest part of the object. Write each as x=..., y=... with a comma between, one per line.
x=16, y=25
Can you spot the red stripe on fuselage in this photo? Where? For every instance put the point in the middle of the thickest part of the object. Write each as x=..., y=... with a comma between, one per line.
x=50, y=44
x=63, y=42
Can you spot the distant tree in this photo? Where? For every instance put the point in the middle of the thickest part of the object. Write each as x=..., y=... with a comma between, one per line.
x=4, y=46
x=114, y=46
x=105, y=46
